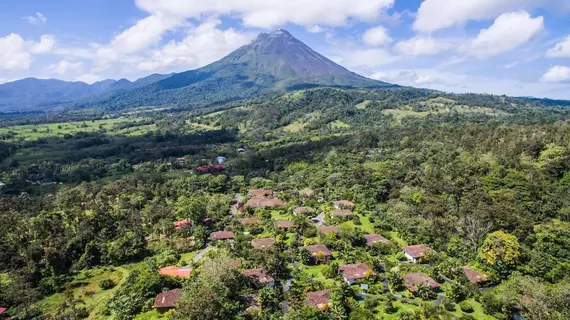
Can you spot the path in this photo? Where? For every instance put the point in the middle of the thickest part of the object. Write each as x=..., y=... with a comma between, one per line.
x=234, y=207
x=439, y=299
x=319, y=220
x=202, y=253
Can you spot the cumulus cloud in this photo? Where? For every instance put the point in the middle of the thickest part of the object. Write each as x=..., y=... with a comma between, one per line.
x=89, y=78
x=509, y=31
x=377, y=36
x=17, y=53
x=557, y=74
x=65, y=67
x=560, y=50
x=406, y=77
x=422, y=46
x=38, y=18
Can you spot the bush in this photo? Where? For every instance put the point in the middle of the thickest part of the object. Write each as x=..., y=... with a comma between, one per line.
x=107, y=284
x=467, y=317
x=449, y=305
x=466, y=307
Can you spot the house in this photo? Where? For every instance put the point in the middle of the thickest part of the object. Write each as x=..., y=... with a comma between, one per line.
x=319, y=251
x=257, y=203
x=417, y=252
x=353, y=272
x=341, y=213
x=475, y=277
x=260, y=193
x=167, y=300
x=373, y=239
x=176, y=272
x=283, y=224
x=211, y=169
x=260, y=276
x=3, y=310
x=327, y=229
x=319, y=299
x=246, y=221
x=343, y=204
x=303, y=210
x=414, y=281
x=179, y=225
x=261, y=244
x=240, y=150
x=222, y=235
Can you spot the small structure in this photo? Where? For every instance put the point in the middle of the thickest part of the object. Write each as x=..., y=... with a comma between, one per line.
x=319, y=299
x=343, y=204
x=240, y=150
x=373, y=239
x=303, y=210
x=258, y=203
x=221, y=159
x=414, y=281
x=319, y=251
x=341, y=213
x=260, y=193
x=353, y=272
x=417, y=252
x=222, y=235
x=328, y=229
x=247, y=221
x=475, y=277
x=179, y=225
x=260, y=276
x=3, y=310
x=283, y=224
x=262, y=244
x=167, y=300
x=176, y=272
x=211, y=169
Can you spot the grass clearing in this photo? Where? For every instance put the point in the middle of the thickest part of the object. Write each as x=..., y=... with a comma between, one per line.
x=296, y=126
x=478, y=312
x=152, y=315
x=339, y=125
x=363, y=105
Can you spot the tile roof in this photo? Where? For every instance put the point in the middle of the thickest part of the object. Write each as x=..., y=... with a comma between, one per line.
x=315, y=249
x=317, y=298
x=303, y=210
x=283, y=224
x=417, y=251
x=344, y=203
x=328, y=229
x=356, y=271
x=167, y=299
x=2, y=310
x=341, y=213
x=176, y=272
x=257, y=202
x=258, y=275
x=249, y=221
x=372, y=239
x=261, y=192
x=474, y=276
x=415, y=280
x=221, y=235
x=179, y=225
x=263, y=243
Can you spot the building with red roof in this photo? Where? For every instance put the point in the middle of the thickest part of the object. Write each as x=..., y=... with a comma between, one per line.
x=179, y=225
x=261, y=244
x=319, y=299
x=167, y=300
x=353, y=272
x=417, y=252
x=341, y=213
x=303, y=210
x=176, y=272
x=246, y=221
x=414, y=281
x=372, y=239
x=343, y=204
x=222, y=235
x=475, y=277
x=319, y=250
x=261, y=193
x=257, y=203
x=260, y=276
x=211, y=169
x=3, y=310
x=328, y=229
x=283, y=224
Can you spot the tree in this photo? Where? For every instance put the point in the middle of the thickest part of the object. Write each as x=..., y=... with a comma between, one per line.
x=395, y=280
x=500, y=248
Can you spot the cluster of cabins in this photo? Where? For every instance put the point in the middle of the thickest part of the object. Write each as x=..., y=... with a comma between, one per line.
x=351, y=273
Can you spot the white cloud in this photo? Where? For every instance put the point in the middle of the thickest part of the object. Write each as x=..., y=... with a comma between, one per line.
x=17, y=54
x=406, y=77
x=89, y=78
x=434, y=15
x=316, y=29
x=422, y=46
x=557, y=74
x=377, y=36
x=560, y=50
x=509, y=31
x=65, y=67
x=363, y=60
x=38, y=18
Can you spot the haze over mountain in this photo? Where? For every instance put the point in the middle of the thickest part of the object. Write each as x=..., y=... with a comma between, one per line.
x=273, y=62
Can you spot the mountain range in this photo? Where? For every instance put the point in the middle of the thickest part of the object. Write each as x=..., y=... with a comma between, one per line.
x=275, y=62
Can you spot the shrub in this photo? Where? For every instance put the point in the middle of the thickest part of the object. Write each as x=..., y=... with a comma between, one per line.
x=467, y=317
x=449, y=305
x=107, y=284
x=466, y=307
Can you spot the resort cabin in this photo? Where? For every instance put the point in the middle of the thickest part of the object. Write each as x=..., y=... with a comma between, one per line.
x=343, y=204
x=259, y=276
x=167, y=300
x=417, y=252
x=414, y=281
x=319, y=251
x=319, y=299
x=263, y=244
x=373, y=239
x=353, y=272
x=303, y=210
x=176, y=272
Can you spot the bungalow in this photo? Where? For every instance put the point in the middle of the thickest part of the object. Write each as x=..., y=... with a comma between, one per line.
x=303, y=210
x=414, y=281
x=417, y=252
x=353, y=272
x=343, y=204
x=261, y=244
x=211, y=169
x=2, y=310
x=318, y=251
x=319, y=299
x=341, y=213
x=167, y=300
x=475, y=277
x=283, y=224
x=222, y=235
x=259, y=276
x=373, y=239
x=247, y=221
x=179, y=225
x=257, y=202
x=176, y=272
x=327, y=229
x=260, y=193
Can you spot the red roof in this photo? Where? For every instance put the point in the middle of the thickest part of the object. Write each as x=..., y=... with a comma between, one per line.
x=372, y=239
x=315, y=249
x=258, y=275
x=249, y=221
x=261, y=192
x=262, y=243
x=168, y=299
x=258, y=202
x=317, y=298
x=179, y=225
x=176, y=272
x=417, y=251
x=344, y=203
x=475, y=277
x=2, y=310
x=222, y=235
x=303, y=210
x=283, y=224
x=341, y=213
x=205, y=169
x=415, y=280
x=356, y=271
x=323, y=230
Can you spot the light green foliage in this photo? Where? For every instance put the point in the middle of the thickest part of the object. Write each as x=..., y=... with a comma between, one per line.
x=500, y=247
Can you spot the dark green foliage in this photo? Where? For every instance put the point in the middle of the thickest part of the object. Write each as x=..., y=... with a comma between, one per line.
x=465, y=306
x=107, y=284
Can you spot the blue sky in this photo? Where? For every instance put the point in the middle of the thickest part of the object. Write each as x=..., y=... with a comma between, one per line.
x=513, y=47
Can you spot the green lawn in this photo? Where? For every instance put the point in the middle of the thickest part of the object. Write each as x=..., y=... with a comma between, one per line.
x=317, y=273
x=478, y=312
x=279, y=215
x=151, y=315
